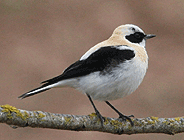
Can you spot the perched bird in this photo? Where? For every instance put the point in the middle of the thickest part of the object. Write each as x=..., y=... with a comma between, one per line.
x=108, y=71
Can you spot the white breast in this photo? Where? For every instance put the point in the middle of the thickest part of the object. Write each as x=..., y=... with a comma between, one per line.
x=123, y=80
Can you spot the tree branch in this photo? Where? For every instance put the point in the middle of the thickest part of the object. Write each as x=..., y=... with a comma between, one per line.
x=23, y=118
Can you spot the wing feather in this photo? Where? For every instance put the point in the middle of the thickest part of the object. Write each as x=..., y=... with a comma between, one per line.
x=98, y=61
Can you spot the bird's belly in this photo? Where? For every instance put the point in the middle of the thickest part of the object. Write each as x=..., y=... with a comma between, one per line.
x=122, y=81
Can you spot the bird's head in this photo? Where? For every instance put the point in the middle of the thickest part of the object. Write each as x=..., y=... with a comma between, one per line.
x=132, y=34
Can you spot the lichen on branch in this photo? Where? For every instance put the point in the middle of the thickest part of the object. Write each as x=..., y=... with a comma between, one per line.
x=23, y=118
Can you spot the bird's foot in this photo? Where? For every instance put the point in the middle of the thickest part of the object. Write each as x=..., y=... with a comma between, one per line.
x=127, y=118
x=102, y=119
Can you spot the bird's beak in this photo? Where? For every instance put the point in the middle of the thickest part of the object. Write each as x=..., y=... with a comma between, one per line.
x=149, y=36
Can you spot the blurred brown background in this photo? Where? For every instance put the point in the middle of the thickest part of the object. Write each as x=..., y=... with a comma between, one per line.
x=39, y=39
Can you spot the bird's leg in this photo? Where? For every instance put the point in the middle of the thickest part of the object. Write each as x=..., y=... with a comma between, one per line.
x=120, y=114
x=96, y=111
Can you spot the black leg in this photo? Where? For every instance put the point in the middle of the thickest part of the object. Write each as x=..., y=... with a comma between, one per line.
x=120, y=114
x=96, y=111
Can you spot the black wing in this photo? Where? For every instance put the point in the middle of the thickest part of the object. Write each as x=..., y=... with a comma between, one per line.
x=101, y=60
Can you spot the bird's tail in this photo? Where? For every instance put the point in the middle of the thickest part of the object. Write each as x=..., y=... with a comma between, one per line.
x=36, y=91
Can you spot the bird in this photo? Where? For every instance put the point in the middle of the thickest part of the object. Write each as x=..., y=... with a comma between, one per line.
x=110, y=70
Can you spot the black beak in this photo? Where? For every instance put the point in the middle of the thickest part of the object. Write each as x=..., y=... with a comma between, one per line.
x=149, y=36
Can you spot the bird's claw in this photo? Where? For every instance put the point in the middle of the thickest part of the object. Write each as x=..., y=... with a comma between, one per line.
x=123, y=117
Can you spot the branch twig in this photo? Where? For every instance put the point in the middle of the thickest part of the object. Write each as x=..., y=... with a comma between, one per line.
x=23, y=118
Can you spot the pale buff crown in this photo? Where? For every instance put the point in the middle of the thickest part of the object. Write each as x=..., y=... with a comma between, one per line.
x=120, y=32
x=118, y=38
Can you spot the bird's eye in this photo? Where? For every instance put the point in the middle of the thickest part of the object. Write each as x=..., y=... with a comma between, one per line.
x=133, y=29
x=137, y=35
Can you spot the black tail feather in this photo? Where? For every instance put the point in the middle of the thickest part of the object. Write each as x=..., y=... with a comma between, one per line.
x=27, y=94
